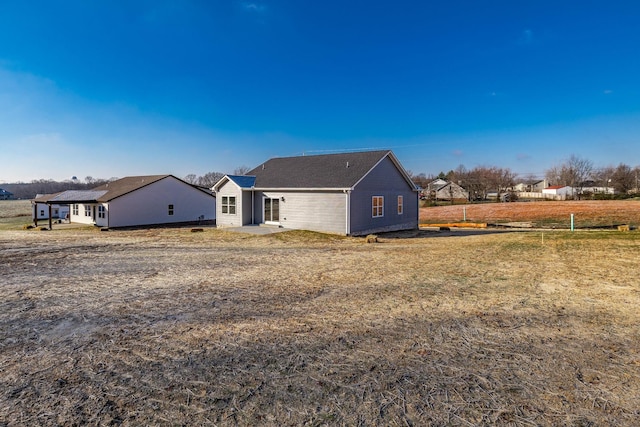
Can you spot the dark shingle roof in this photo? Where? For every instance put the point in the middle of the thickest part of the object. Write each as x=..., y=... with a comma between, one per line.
x=108, y=191
x=72, y=196
x=324, y=171
x=126, y=185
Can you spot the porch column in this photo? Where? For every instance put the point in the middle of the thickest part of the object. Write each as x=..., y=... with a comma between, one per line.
x=50, y=219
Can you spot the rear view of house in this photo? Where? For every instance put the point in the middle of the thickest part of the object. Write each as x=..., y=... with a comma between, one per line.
x=137, y=200
x=350, y=194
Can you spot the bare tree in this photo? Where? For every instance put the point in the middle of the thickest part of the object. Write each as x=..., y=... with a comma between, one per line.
x=623, y=179
x=241, y=170
x=574, y=172
x=192, y=178
x=209, y=179
x=501, y=179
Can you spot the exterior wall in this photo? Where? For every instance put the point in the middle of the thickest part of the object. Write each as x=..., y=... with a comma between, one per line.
x=450, y=190
x=232, y=220
x=57, y=211
x=81, y=218
x=323, y=211
x=150, y=205
x=387, y=181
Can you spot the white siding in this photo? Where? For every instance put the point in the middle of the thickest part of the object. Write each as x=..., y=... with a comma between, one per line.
x=150, y=205
x=42, y=210
x=81, y=218
x=230, y=189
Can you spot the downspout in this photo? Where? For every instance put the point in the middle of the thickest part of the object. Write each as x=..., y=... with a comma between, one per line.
x=253, y=195
x=418, y=209
x=348, y=213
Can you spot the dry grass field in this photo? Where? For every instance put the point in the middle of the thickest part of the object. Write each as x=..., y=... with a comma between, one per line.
x=587, y=213
x=171, y=327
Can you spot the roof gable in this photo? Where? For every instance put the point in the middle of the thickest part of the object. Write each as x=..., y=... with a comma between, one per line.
x=335, y=171
x=126, y=185
x=243, y=181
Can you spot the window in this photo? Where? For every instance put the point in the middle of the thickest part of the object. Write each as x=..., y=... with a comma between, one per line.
x=101, y=211
x=229, y=205
x=377, y=203
x=75, y=210
x=41, y=212
x=87, y=211
x=400, y=205
x=170, y=210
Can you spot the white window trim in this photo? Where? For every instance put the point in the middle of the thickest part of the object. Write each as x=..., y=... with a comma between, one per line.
x=226, y=206
x=379, y=207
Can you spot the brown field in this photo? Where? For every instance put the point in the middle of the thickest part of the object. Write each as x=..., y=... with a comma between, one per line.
x=170, y=327
x=587, y=214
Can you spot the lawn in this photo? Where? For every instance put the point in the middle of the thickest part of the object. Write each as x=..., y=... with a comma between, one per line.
x=170, y=327
x=549, y=214
x=14, y=214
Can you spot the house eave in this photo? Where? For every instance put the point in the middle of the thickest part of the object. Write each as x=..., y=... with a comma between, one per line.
x=340, y=189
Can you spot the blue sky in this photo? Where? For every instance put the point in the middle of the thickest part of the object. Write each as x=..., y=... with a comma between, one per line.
x=116, y=88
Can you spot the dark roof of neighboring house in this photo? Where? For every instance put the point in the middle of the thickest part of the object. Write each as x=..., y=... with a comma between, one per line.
x=334, y=171
x=70, y=196
x=3, y=191
x=108, y=191
x=126, y=185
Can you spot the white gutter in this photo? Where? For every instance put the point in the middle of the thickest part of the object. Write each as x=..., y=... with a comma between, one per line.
x=299, y=189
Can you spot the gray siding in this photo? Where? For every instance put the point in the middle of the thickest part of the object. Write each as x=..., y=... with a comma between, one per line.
x=322, y=211
x=246, y=208
x=387, y=181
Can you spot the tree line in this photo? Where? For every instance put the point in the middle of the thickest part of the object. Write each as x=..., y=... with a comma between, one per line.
x=576, y=172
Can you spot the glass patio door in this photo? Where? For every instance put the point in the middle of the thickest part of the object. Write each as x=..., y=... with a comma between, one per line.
x=271, y=211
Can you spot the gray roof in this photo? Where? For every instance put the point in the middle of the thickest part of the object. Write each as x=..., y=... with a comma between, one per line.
x=342, y=171
x=109, y=191
x=71, y=196
x=122, y=186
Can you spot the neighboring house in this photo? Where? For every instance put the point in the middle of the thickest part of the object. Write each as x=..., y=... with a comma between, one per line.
x=451, y=191
x=535, y=187
x=539, y=186
x=136, y=201
x=41, y=210
x=349, y=194
x=558, y=191
x=591, y=187
x=5, y=195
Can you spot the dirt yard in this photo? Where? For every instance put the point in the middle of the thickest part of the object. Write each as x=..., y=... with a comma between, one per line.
x=587, y=214
x=172, y=327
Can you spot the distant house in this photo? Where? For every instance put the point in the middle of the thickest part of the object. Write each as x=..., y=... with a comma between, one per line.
x=440, y=189
x=535, y=187
x=350, y=194
x=136, y=201
x=5, y=195
x=41, y=210
x=558, y=191
x=591, y=187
